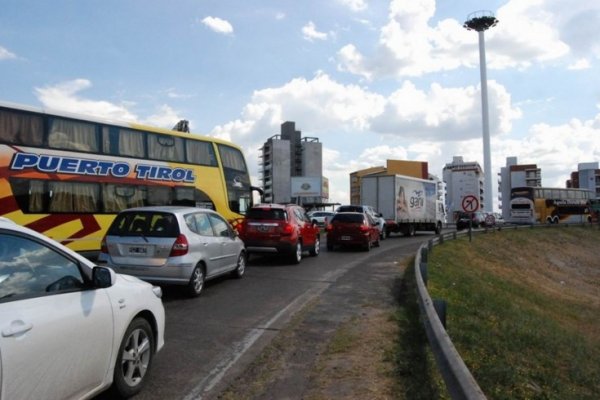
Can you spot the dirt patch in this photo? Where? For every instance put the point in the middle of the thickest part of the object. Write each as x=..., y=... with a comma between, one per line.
x=358, y=361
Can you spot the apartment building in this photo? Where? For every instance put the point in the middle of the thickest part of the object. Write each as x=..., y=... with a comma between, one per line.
x=515, y=175
x=287, y=157
x=587, y=177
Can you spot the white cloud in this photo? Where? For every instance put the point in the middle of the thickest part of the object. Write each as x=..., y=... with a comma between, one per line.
x=354, y=5
x=164, y=117
x=65, y=97
x=446, y=114
x=6, y=55
x=310, y=33
x=527, y=33
x=582, y=63
x=218, y=25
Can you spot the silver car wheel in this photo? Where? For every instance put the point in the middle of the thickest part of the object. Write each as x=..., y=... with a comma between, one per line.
x=241, y=266
x=196, y=281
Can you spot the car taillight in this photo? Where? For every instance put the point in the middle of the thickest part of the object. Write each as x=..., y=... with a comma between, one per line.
x=103, y=247
x=180, y=247
x=364, y=228
x=287, y=229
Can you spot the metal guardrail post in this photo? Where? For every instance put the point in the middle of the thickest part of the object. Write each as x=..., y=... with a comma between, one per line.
x=424, y=275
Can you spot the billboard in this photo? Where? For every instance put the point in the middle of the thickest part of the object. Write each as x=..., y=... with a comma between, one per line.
x=307, y=186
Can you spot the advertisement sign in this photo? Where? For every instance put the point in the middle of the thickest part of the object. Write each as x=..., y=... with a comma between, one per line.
x=307, y=186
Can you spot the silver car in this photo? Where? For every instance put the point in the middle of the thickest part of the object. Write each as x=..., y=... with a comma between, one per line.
x=173, y=245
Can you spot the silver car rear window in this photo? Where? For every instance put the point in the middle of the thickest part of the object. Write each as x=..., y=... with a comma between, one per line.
x=149, y=224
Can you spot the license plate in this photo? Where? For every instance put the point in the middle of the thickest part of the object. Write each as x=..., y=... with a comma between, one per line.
x=346, y=238
x=139, y=251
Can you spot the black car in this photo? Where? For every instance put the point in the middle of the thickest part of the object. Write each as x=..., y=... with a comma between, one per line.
x=477, y=218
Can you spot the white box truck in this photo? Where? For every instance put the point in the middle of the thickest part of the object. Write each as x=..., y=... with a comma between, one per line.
x=407, y=204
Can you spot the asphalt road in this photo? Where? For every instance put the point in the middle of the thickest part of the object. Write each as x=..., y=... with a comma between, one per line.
x=211, y=339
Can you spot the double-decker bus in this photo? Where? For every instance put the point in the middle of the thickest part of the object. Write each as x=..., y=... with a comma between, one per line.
x=530, y=205
x=67, y=176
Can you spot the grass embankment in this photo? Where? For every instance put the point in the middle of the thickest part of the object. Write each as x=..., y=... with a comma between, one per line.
x=523, y=310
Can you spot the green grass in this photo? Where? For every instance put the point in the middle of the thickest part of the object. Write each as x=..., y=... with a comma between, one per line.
x=415, y=370
x=521, y=310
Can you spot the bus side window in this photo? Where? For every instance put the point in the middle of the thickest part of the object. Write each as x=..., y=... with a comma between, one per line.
x=65, y=134
x=162, y=147
x=131, y=143
x=21, y=128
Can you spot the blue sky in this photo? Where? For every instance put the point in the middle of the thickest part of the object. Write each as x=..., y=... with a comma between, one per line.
x=371, y=79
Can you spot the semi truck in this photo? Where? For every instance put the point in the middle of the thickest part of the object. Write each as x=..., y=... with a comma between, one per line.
x=406, y=203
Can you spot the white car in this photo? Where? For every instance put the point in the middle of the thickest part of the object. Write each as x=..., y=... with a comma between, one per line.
x=70, y=329
x=321, y=218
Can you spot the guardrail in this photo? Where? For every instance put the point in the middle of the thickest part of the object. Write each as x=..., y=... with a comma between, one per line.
x=459, y=381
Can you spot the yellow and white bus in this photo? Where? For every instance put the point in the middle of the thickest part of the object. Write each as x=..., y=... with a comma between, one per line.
x=67, y=176
x=530, y=205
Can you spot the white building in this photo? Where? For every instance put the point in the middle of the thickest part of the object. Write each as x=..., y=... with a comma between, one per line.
x=462, y=179
x=587, y=177
x=515, y=175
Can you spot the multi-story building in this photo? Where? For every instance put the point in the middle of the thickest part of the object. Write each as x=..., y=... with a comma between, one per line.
x=462, y=179
x=290, y=155
x=417, y=169
x=587, y=177
x=515, y=175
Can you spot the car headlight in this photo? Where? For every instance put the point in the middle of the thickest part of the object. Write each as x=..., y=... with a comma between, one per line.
x=157, y=290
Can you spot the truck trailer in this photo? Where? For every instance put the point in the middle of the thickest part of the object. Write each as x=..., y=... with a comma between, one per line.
x=407, y=204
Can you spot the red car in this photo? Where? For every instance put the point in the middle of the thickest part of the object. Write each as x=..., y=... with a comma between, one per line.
x=352, y=229
x=280, y=229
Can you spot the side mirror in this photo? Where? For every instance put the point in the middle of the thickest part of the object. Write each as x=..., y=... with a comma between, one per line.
x=103, y=277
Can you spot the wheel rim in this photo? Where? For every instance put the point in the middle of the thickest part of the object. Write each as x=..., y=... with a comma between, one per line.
x=198, y=280
x=241, y=265
x=317, y=246
x=136, y=357
x=298, y=251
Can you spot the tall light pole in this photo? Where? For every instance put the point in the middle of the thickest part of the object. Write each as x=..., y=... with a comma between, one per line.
x=480, y=21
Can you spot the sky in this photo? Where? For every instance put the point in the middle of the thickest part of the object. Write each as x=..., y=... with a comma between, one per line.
x=372, y=79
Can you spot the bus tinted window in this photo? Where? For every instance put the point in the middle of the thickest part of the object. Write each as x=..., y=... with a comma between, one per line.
x=73, y=197
x=199, y=152
x=118, y=197
x=21, y=128
x=232, y=158
x=72, y=135
x=131, y=143
x=168, y=148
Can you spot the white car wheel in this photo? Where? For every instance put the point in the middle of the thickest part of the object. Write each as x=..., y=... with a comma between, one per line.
x=134, y=358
